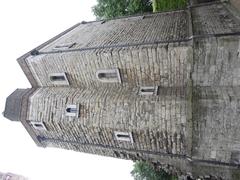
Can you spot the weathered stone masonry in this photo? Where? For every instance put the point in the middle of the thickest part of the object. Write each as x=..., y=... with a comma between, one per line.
x=190, y=57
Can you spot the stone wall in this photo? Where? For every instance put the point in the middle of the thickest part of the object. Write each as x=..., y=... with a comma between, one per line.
x=158, y=123
x=217, y=62
x=213, y=19
x=124, y=31
x=217, y=171
x=166, y=65
x=215, y=123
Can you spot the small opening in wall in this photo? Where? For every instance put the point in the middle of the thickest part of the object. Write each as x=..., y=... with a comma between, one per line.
x=148, y=90
x=72, y=110
x=59, y=79
x=123, y=136
x=38, y=125
x=108, y=75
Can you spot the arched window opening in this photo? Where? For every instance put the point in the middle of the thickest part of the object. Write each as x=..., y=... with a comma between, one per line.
x=109, y=76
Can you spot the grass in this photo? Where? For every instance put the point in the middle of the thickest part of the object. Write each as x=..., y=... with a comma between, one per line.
x=166, y=5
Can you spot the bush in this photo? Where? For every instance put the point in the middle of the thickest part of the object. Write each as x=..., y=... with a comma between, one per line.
x=146, y=171
x=105, y=9
x=166, y=5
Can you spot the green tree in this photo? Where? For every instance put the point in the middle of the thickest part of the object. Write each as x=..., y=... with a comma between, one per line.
x=139, y=6
x=146, y=171
x=114, y=8
x=166, y=5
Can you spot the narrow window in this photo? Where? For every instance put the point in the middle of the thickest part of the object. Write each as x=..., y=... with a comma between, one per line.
x=64, y=46
x=109, y=75
x=148, y=90
x=72, y=110
x=59, y=79
x=123, y=136
x=38, y=125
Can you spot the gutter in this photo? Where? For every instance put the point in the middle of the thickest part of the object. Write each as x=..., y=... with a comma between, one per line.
x=193, y=37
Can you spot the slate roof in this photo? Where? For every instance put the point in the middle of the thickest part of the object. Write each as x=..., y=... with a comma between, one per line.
x=13, y=105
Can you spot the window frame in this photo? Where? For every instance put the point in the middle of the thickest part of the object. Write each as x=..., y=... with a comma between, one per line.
x=35, y=123
x=64, y=82
x=115, y=71
x=153, y=92
x=129, y=137
x=72, y=114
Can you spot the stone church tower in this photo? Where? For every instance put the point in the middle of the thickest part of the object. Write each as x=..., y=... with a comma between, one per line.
x=162, y=87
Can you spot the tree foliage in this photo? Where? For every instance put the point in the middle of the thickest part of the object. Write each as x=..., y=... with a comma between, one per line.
x=145, y=171
x=166, y=5
x=115, y=8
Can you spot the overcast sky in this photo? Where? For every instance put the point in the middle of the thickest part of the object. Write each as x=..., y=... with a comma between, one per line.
x=26, y=24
